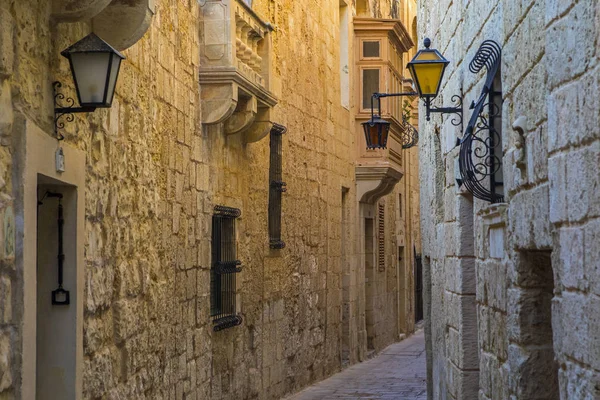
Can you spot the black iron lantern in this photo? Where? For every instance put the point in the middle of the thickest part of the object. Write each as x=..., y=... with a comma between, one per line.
x=376, y=132
x=95, y=67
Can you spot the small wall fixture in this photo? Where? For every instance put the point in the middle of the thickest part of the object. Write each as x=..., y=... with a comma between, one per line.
x=95, y=67
x=427, y=69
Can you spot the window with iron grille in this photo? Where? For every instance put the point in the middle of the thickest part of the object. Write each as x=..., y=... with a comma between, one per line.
x=276, y=186
x=381, y=236
x=224, y=268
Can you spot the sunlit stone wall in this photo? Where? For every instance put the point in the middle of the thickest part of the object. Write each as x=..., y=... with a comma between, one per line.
x=513, y=306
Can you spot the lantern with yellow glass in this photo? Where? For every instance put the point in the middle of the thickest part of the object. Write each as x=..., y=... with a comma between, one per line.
x=427, y=69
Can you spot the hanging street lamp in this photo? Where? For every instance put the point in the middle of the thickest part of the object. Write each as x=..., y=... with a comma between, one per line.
x=427, y=69
x=95, y=68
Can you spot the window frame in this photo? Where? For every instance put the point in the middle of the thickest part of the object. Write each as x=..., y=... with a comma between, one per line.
x=362, y=42
x=361, y=69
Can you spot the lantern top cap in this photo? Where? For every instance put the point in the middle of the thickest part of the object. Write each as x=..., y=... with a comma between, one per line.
x=427, y=42
x=90, y=44
x=376, y=120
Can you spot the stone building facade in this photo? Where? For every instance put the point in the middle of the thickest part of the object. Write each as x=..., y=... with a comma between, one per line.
x=512, y=306
x=205, y=88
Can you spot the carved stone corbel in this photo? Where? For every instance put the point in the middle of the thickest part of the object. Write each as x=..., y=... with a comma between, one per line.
x=243, y=116
x=119, y=22
x=123, y=22
x=218, y=102
x=76, y=10
x=374, y=182
x=261, y=127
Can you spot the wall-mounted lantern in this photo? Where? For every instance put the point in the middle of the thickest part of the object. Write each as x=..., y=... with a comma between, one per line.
x=427, y=69
x=95, y=68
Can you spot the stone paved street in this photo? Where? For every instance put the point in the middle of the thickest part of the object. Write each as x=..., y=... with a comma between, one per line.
x=397, y=373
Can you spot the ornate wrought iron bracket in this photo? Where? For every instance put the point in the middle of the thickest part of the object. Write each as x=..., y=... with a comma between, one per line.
x=67, y=111
x=410, y=135
x=457, y=109
x=478, y=158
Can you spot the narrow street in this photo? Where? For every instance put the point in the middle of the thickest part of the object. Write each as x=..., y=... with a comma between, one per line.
x=397, y=373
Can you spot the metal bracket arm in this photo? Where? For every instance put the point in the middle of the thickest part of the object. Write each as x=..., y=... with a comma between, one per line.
x=458, y=110
x=378, y=96
x=67, y=112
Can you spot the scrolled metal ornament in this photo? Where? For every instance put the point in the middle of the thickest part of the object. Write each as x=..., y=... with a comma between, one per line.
x=457, y=118
x=479, y=148
x=64, y=108
x=410, y=135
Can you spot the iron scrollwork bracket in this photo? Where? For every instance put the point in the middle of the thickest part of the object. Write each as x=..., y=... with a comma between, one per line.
x=64, y=113
x=457, y=109
x=477, y=158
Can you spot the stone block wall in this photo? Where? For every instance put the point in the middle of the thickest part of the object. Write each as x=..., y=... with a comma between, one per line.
x=510, y=311
x=153, y=174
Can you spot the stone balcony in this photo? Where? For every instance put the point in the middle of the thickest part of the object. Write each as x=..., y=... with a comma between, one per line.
x=235, y=69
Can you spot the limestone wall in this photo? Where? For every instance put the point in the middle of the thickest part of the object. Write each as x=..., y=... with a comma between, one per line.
x=512, y=310
x=153, y=174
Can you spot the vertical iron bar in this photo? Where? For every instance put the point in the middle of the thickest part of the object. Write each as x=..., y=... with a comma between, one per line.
x=61, y=255
x=227, y=259
x=221, y=253
x=233, y=257
x=226, y=240
x=491, y=130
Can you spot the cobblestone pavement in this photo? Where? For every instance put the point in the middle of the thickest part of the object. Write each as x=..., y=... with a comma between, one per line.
x=398, y=373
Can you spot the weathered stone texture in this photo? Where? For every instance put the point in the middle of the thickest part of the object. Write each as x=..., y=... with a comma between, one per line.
x=535, y=256
x=154, y=173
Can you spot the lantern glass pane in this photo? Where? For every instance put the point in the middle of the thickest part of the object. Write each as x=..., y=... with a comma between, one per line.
x=112, y=79
x=90, y=74
x=374, y=135
x=370, y=86
x=428, y=77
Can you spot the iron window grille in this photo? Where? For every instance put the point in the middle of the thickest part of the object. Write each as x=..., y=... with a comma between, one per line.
x=381, y=237
x=276, y=186
x=224, y=268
